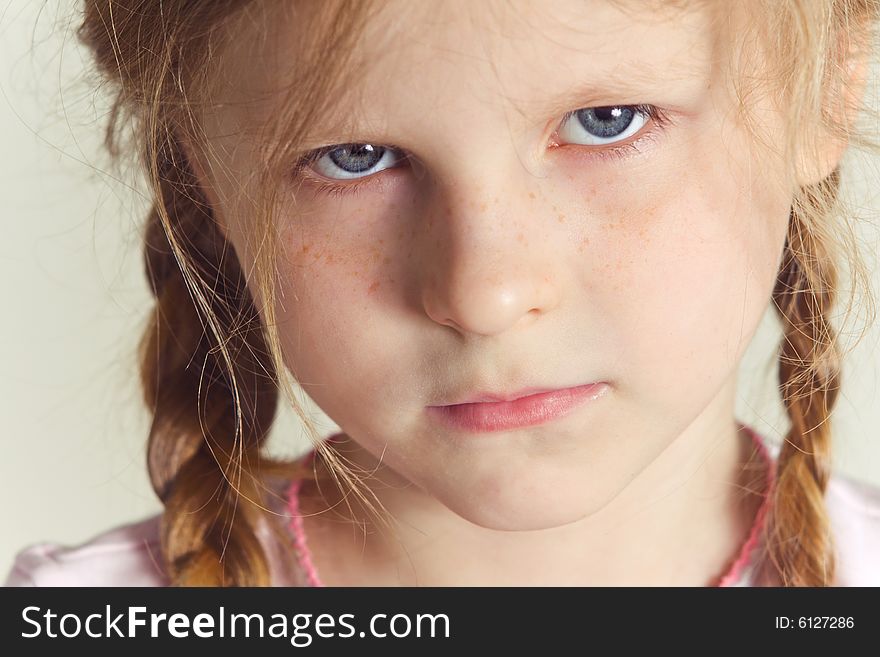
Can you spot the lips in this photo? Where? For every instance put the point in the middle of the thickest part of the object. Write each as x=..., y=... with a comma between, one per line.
x=502, y=397
x=518, y=412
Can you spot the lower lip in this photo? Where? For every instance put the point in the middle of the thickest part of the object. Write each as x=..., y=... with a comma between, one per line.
x=523, y=412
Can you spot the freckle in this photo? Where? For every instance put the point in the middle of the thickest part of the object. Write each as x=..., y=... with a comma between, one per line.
x=483, y=207
x=531, y=195
x=305, y=248
x=373, y=287
x=561, y=218
x=386, y=260
x=521, y=238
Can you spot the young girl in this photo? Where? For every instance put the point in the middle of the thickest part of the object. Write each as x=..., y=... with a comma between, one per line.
x=516, y=251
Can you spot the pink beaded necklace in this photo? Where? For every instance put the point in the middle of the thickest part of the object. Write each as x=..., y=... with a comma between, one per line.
x=730, y=578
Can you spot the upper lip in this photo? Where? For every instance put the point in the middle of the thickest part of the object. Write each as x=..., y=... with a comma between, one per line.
x=479, y=397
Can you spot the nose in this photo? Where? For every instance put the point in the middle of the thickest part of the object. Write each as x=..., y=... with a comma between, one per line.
x=487, y=266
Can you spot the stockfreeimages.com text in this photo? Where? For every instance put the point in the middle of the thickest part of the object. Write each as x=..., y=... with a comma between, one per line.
x=300, y=629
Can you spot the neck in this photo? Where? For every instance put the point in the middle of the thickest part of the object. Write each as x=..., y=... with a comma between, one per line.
x=680, y=522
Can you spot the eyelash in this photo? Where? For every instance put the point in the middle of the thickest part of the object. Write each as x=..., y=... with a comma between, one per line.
x=657, y=119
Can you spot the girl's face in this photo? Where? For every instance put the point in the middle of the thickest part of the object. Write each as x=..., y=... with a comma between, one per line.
x=520, y=244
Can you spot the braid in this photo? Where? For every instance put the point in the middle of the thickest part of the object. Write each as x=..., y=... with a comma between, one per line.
x=800, y=544
x=203, y=446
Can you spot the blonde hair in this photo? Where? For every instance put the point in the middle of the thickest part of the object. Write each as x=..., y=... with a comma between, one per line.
x=211, y=366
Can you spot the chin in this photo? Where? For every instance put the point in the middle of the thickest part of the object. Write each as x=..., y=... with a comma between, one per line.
x=522, y=514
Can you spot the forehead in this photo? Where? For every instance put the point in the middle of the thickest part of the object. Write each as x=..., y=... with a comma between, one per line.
x=516, y=50
x=530, y=58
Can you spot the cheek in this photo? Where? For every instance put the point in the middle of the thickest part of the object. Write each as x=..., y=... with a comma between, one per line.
x=336, y=309
x=345, y=256
x=692, y=268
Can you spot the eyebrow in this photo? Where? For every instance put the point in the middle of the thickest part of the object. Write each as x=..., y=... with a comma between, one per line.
x=630, y=82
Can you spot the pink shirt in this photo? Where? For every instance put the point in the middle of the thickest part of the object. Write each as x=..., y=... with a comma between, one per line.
x=128, y=555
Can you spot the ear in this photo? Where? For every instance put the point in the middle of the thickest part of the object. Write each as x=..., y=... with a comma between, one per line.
x=842, y=101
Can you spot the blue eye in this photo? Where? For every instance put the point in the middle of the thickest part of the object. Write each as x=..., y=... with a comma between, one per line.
x=351, y=161
x=594, y=126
